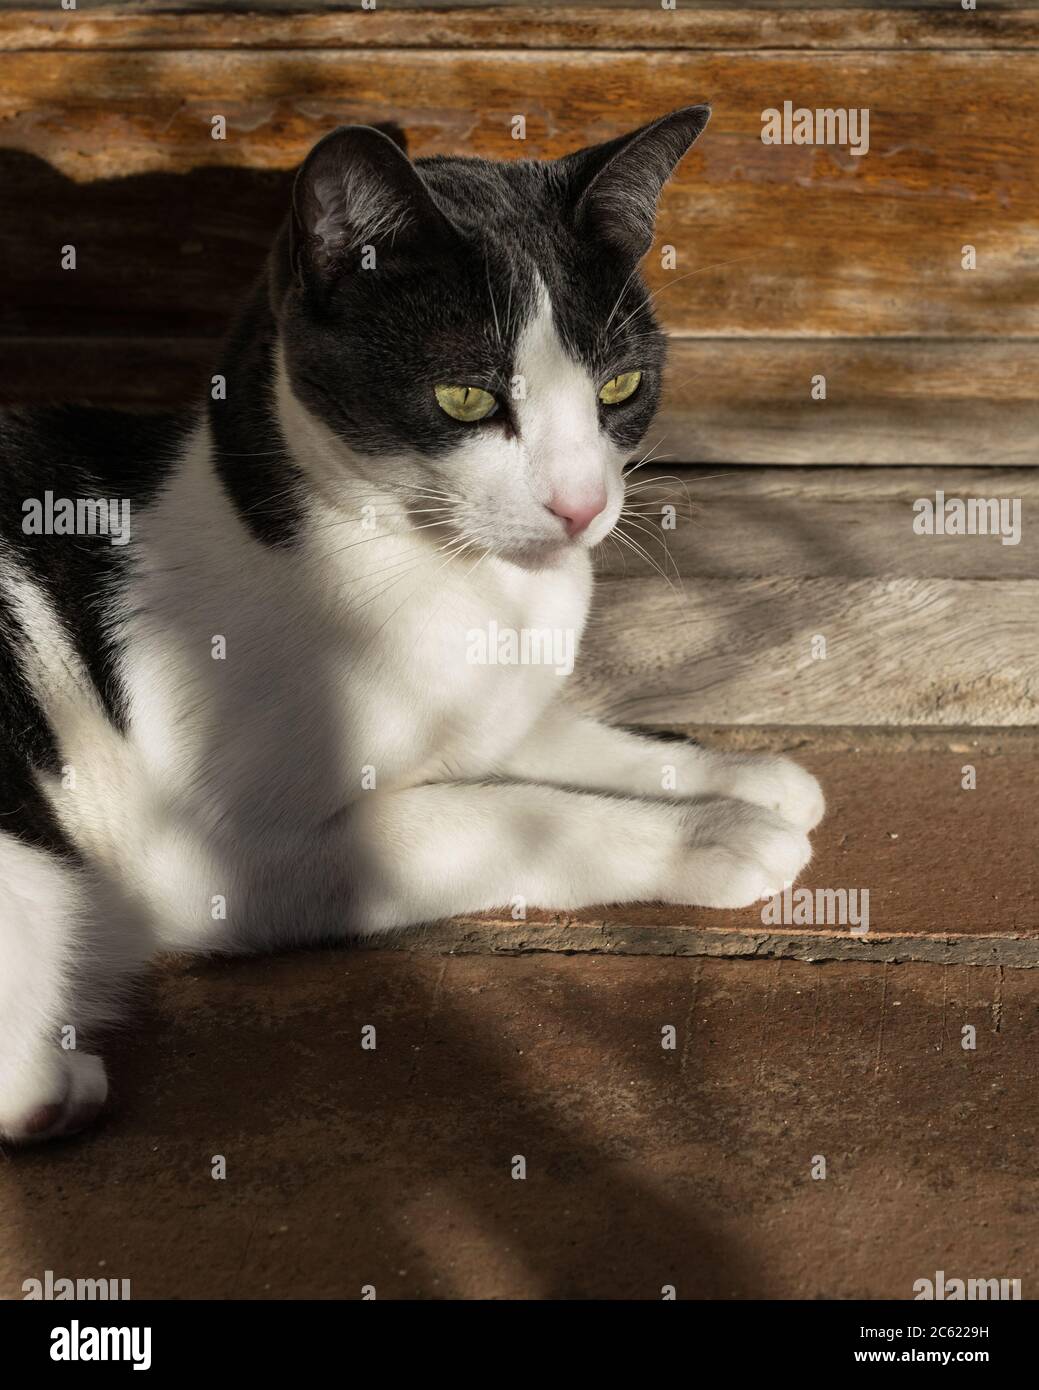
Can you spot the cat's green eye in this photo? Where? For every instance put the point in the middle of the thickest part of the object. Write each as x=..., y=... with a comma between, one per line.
x=619, y=388
x=466, y=403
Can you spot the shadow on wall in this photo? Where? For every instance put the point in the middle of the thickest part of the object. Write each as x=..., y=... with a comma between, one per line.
x=162, y=263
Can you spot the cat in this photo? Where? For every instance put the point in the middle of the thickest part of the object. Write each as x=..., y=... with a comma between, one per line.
x=239, y=705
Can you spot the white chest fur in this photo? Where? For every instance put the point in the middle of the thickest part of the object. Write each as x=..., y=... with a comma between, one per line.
x=285, y=683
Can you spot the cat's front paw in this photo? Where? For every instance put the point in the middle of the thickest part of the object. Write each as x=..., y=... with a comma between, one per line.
x=737, y=854
x=776, y=783
x=67, y=1095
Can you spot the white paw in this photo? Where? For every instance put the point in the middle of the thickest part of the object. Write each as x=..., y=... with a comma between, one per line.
x=737, y=855
x=62, y=1094
x=777, y=784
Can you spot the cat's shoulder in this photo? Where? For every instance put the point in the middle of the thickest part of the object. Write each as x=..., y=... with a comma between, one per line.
x=83, y=451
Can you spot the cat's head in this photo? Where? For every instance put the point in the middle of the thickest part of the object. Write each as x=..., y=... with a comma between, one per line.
x=474, y=335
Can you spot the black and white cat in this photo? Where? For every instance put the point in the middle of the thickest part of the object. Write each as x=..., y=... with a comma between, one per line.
x=249, y=716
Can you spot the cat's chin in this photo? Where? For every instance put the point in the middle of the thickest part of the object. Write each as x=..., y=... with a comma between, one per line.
x=539, y=555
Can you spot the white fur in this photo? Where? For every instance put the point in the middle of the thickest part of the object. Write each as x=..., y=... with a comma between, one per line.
x=51, y=934
x=240, y=786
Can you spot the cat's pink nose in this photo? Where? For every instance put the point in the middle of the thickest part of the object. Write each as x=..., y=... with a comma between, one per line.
x=577, y=516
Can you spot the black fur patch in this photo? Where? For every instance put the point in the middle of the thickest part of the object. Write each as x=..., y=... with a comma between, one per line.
x=72, y=453
x=366, y=348
x=76, y=453
x=249, y=452
x=26, y=745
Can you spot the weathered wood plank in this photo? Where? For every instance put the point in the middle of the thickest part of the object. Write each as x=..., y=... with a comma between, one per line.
x=739, y=651
x=781, y=240
x=501, y=7
x=636, y=25
x=887, y=402
x=812, y=523
x=128, y=373
x=158, y=255
x=727, y=401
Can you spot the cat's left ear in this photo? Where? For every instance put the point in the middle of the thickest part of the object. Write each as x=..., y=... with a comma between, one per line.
x=616, y=185
x=357, y=188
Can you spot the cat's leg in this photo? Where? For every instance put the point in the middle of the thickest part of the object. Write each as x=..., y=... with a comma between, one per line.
x=52, y=937
x=436, y=851
x=568, y=749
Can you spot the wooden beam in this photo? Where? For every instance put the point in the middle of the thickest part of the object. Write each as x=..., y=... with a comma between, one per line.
x=887, y=402
x=727, y=401
x=739, y=651
x=761, y=563
x=636, y=25
x=780, y=240
x=805, y=523
x=465, y=8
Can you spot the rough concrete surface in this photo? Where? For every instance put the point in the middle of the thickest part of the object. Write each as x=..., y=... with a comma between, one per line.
x=952, y=873
x=645, y=1166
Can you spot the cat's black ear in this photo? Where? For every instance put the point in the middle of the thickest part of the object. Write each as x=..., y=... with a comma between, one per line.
x=357, y=189
x=616, y=185
x=393, y=130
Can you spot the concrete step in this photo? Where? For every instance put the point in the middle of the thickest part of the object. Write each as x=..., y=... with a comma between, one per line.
x=645, y=1166
x=952, y=874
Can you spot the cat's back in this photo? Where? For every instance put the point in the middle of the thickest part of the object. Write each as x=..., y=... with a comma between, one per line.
x=82, y=452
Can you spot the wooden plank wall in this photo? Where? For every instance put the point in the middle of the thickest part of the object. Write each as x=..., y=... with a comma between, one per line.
x=791, y=261
x=917, y=629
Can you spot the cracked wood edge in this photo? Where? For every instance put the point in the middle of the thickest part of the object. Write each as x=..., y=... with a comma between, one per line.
x=506, y=937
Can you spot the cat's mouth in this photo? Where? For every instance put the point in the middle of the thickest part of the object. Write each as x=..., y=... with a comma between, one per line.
x=544, y=552
x=468, y=527
x=528, y=552
x=466, y=532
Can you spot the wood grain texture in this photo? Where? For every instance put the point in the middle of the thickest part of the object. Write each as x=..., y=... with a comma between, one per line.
x=127, y=373
x=739, y=651
x=184, y=8
x=814, y=523
x=637, y=25
x=851, y=247
x=727, y=401
x=158, y=255
x=795, y=241
x=919, y=629
x=887, y=402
